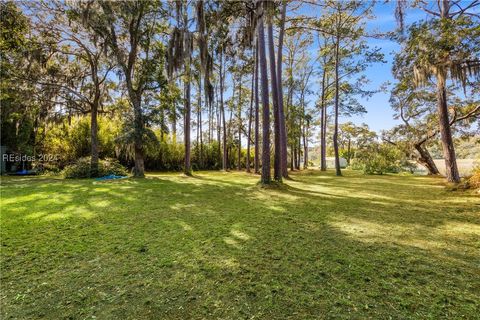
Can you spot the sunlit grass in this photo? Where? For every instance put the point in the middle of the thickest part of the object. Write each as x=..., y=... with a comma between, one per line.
x=218, y=246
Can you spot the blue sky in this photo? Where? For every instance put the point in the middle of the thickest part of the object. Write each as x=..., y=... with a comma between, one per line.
x=379, y=114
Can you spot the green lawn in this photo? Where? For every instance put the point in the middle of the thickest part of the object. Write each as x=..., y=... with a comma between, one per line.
x=217, y=246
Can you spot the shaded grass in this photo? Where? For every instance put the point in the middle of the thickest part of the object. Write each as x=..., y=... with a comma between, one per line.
x=217, y=246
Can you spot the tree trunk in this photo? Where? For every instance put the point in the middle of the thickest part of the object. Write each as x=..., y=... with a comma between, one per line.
x=136, y=100
x=162, y=124
x=305, y=145
x=299, y=151
x=288, y=117
x=451, y=169
x=277, y=164
x=338, y=171
x=219, y=125
x=426, y=160
x=292, y=157
x=162, y=138
x=239, y=118
x=303, y=130
x=222, y=111
x=295, y=155
x=349, y=147
x=139, y=168
x=197, y=150
x=210, y=119
x=281, y=109
x=188, y=167
x=250, y=115
x=257, y=120
x=94, y=138
x=323, y=126
x=174, y=128
x=200, y=123
x=325, y=122
x=230, y=136
x=265, y=178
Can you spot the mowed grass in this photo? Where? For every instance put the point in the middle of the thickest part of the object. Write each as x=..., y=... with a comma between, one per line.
x=217, y=246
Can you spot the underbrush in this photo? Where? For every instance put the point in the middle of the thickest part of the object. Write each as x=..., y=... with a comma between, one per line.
x=82, y=169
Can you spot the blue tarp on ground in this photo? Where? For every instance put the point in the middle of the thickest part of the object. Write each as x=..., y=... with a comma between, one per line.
x=25, y=172
x=110, y=177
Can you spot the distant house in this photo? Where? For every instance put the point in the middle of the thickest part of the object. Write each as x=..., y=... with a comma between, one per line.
x=331, y=162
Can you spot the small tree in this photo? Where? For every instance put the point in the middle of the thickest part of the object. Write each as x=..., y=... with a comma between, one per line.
x=344, y=23
x=128, y=29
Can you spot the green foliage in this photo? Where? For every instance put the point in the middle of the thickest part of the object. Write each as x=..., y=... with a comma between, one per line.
x=351, y=138
x=130, y=134
x=207, y=157
x=449, y=46
x=379, y=158
x=81, y=168
x=13, y=26
x=474, y=180
x=70, y=142
x=17, y=108
x=468, y=147
x=168, y=155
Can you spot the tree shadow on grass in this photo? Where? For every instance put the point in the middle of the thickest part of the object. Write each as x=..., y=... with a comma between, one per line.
x=198, y=248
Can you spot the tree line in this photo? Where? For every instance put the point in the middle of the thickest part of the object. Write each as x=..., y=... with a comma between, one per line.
x=228, y=85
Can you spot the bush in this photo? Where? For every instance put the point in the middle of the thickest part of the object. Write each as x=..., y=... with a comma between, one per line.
x=47, y=168
x=71, y=141
x=81, y=168
x=474, y=180
x=379, y=159
x=111, y=166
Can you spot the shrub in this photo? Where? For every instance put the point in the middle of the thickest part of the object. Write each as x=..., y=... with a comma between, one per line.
x=81, y=168
x=47, y=168
x=71, y=141
x=111, y=166
x=474, y=180
x=379, y=159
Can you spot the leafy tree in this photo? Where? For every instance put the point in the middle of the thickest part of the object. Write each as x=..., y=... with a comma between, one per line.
x=251, y=114
x=299, y=71
x=416, y=107
x=445, y=47
x=18, y=112
x=77, y=67
x=281, y=106
x=129, y=29
x=380, y=158
x=352, y=138
x=344, y=23
x=326, y=96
